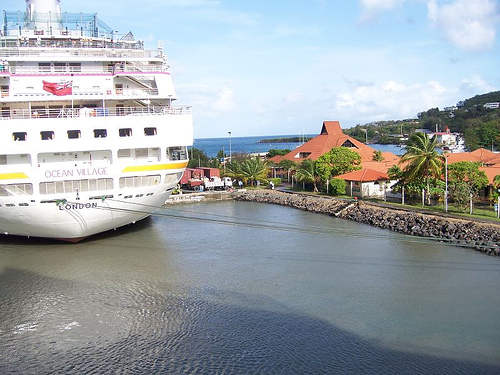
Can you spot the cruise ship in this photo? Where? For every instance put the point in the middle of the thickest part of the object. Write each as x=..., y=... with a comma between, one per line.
x=91, y=138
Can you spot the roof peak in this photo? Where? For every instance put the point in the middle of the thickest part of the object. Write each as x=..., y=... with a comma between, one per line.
x=331, y=127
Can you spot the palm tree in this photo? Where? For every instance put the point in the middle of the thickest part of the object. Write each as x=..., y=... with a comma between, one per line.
x=254, y=170
x=423, y=161
x=496, y=181
x=307, y=173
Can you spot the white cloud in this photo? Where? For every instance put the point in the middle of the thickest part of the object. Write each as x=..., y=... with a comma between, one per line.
x=224, y=101
x=467, y=24
x=390, y=100
x=370, y=9
x=209, y=100
x=473, y=85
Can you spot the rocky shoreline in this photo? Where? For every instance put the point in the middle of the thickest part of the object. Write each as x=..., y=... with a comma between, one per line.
x=466, y=233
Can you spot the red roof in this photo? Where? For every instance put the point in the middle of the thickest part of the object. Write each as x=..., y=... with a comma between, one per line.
x=331, y=136
x=364, y=175
x=491, y=172
x=480, y=155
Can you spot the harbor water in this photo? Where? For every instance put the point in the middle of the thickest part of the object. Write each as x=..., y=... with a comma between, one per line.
x=249, y=145
x=247, y=288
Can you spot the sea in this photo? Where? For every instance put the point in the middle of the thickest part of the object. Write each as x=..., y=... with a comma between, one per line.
x=231, y=287
x=248, y=145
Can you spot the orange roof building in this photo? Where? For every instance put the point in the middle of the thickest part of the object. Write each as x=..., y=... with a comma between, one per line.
x=364, y=175
x=331, y=136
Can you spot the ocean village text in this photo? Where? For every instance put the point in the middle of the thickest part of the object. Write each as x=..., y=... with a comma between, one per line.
x=82, y=172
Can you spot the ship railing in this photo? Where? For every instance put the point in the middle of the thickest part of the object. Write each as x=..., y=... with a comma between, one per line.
x=116, y=69
x=120, y=93
x=79, y=50
x=94, y=112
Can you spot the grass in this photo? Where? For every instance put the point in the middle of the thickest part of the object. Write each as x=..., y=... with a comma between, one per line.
x=479, y=213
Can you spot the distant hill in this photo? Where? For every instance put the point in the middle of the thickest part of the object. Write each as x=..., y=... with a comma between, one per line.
x=479, y=125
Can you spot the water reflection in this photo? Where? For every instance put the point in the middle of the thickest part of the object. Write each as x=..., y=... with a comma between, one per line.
x=177, y=296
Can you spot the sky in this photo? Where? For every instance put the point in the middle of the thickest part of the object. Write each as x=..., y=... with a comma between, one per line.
x=282, y=67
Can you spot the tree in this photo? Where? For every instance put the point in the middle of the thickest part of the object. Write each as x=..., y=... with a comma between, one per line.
x=307, y=173
x=422, y=161
x=465, y=180
x=197, y=158
x=377, y=155
x=337, y=161
x=274, y=151
x=287, y=164
x=496, y=181
x=337, y=186
x=254, y=170
x=487, y=134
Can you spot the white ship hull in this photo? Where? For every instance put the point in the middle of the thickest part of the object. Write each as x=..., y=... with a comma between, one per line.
x=72, y=221
x=91, y=140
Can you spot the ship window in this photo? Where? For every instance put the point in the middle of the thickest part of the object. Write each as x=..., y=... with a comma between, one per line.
x=149, y=131
x=16, y=189
x=44, y=67
x=100, y=133
x=60, y=67
x=70, y=186
x=124, y=153
x=47, y=135
x=177, y=153
x=5, y=111
x=75, y=67
x=3, y=159
x=19, y=136
x=126, y=132
x=139, y=181
x=74, y=134
x=141, y=153
x=172, y=178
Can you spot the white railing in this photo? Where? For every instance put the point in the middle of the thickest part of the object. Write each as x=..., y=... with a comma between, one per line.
x=94, y=112
x=79, y=51
x=124, y=93
x=117, y=69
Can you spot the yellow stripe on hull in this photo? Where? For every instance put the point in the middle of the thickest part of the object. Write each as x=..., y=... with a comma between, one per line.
x=13, y=176
x=155, y=167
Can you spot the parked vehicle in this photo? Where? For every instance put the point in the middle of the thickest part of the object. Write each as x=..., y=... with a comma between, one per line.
x=199, y=179
x=216, y=183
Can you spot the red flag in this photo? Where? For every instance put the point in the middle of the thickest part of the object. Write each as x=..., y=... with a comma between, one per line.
x=59, y=89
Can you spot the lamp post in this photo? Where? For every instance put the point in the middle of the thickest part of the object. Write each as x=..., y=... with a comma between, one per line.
x=445, y=182
x=229, y=146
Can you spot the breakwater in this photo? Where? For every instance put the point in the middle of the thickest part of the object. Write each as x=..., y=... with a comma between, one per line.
x=483, y=237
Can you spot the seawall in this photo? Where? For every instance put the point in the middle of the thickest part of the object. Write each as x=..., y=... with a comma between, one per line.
x=482, y=237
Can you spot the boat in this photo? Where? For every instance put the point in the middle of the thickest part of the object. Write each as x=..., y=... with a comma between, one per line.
x=91, y=137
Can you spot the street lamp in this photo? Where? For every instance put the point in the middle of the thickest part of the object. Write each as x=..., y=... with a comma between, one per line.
x=445, y=182
x=229, y=146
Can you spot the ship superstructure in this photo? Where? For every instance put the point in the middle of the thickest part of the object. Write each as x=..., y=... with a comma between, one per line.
x=90, y=137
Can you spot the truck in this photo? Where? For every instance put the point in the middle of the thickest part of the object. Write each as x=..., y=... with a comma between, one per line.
x=204, y=178
x=217, y=183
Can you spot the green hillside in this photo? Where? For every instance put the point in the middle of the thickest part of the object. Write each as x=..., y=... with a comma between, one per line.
x=479, y=125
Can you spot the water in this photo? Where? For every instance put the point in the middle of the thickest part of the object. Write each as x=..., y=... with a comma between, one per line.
x=246, y=288
x=248, y=145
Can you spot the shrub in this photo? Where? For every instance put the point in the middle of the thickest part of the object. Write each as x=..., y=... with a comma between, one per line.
x=337, y=186
x=276, y=181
